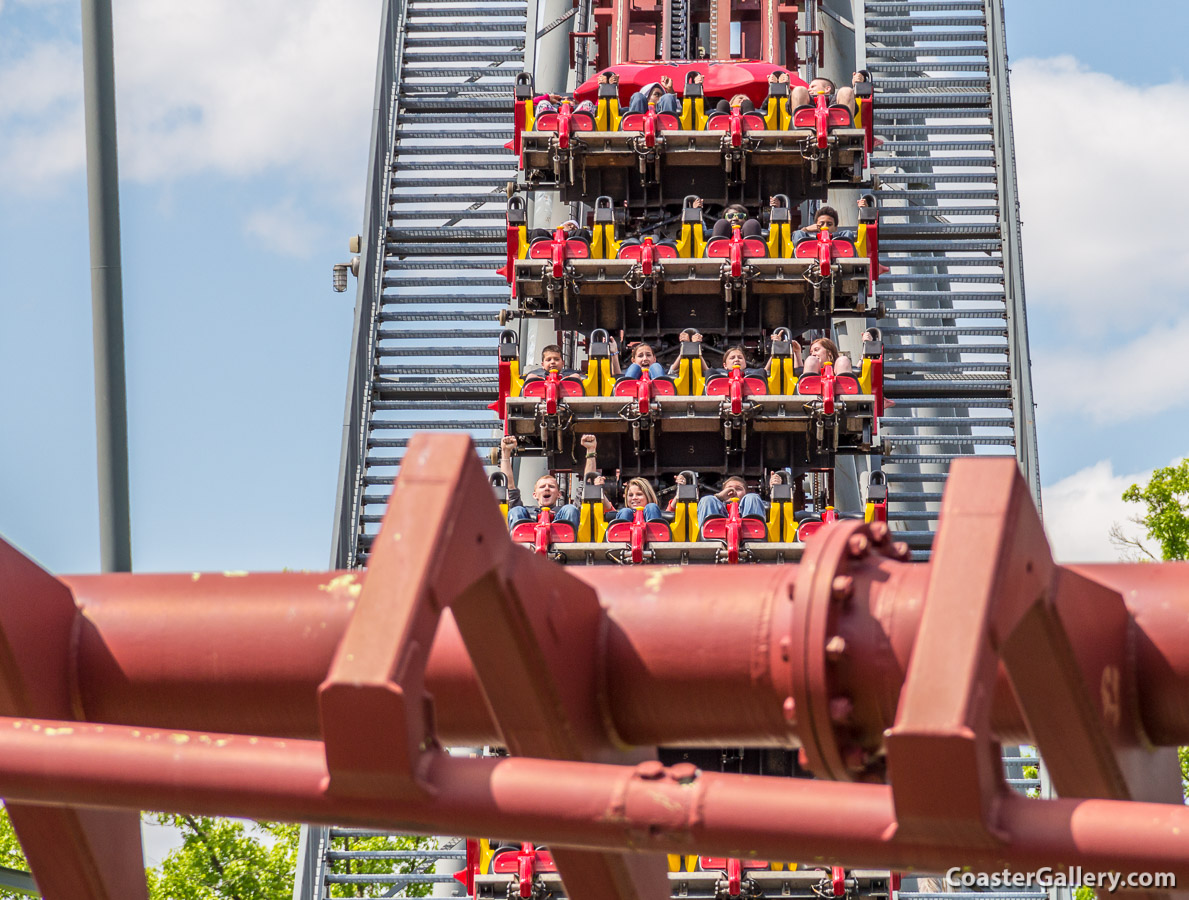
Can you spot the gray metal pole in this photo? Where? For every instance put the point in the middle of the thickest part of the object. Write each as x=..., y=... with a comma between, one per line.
x=107, y=304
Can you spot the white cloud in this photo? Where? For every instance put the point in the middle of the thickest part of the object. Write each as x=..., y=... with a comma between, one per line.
x=1079, y=511
x=1114, y=382
x=1099, y=195
x=219, y=86
x=284, y=228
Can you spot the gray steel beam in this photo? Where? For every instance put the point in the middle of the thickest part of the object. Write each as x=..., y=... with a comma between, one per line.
x=107, y=302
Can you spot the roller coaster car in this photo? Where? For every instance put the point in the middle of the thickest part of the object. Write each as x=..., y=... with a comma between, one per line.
x=837, y=149
x=734, y=530
x=507, y=871
x=543, y=533
x=638, y=534
x=815, y=522
x=739, y=287
x=623, y=154
x=736, y=386
x=643, y=391
x=735, y=123
x=830, y=259
x=736, y=249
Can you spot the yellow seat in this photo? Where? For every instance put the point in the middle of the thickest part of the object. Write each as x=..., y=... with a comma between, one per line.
x=607, y=115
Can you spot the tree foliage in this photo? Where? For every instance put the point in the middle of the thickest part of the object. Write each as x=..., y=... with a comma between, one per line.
x=230, y=859
x=1166, y=501
x=225, y=859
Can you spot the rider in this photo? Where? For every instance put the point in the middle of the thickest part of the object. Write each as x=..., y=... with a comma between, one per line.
x=546, y=492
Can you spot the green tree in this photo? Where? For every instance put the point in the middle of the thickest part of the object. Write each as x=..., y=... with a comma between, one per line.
x=1166, y=518
x=230, y=859
x=225, y=859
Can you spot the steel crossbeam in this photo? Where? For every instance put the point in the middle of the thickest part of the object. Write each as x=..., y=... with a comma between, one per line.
x=326, y=697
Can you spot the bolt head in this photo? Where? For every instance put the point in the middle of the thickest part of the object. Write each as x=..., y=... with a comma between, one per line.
x=650, y=769
x=842, y=587
x=880, y=532
x=790, y=710
x=900, y=550
x=683, y=773
x=857, y=545
x=803, y=760
x=836, y=648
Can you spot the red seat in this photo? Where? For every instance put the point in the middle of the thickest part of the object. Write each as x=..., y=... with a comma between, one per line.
x=543, y=532
x=507, y=862
x=559, y=532
x=843, y=384
x=821, y=117
x=719, y=385
x=750, y=529
x=840, y=248
x=837, y=117
x=620, y=532
x=722, y=122
x=811, y=526
x=717, y=863
x=638, y=533
x=628, y=387
x=720, y=248
x=542, y=248
x=570, y=386
x=635, y=122
x=579, y=121
x=736, y=386
x=633, y=251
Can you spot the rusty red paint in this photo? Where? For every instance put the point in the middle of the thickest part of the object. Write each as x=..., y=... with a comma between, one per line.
x=455, y=633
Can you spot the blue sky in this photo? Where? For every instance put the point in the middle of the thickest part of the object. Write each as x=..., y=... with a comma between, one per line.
x=243, y=139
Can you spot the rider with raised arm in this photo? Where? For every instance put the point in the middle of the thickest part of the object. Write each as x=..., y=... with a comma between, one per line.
x=546, y=492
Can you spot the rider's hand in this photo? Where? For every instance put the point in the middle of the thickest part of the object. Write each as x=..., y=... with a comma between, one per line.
x=857, y=78
x=589, y=441
x=697, y=204
x=696, y=337
x=599, y=480
x=774, y=479
x=507, y=446
x=667, y=83
x=680, y=479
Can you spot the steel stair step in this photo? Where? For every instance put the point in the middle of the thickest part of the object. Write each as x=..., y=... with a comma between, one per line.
x=901, y=52
x=897, y=245
x=460, y=425
x=886, y=130
x=461, y=181
x=923, y=6
x=953, y=102
x=467, y=13
x=899, y=36
x=881, y=22
x=886, y=113
x=926, y=229
x=427, y=406
x=439, y=334
x=934, y=178
x=415, y=41
x=938, y=421
x=487, y=352
x=454, y=232
x=894, y=68
x=462, y=56
x=935, y=212
x=937, y=194
x=946, y=348
x=930, y=82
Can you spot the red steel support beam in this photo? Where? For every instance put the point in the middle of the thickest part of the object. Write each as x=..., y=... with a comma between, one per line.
x=456, y=625
x=645, y=808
